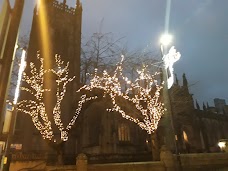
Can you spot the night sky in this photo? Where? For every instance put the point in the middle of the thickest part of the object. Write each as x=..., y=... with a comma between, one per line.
x=199, y=27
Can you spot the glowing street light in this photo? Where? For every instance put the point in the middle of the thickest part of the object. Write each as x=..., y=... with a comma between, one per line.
x=166, y=39
x=223, y=145
x=168, y=60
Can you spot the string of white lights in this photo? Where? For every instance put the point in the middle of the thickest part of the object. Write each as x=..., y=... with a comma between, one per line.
x=143, y=93
x=36, y=108
x=144, y=90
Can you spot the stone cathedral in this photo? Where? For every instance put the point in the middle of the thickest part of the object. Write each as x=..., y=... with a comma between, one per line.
x=56, y=29
x=102, y=136
x=96, y=132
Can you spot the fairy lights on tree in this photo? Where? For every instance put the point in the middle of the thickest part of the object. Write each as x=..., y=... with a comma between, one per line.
x=138, y=101
x=143, y=93
x=36, y=108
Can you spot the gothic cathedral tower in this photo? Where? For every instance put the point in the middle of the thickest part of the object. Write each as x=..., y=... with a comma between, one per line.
x=56, y=29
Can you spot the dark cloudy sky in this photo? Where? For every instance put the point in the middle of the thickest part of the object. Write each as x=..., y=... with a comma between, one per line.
x=199, y=27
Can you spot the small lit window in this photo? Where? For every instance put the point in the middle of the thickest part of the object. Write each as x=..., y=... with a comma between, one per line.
x=185, y=136
x=123, y=132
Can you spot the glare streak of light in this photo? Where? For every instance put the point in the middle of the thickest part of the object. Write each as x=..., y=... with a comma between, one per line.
x=21, y=69
x=167, y=16
x=43, y=28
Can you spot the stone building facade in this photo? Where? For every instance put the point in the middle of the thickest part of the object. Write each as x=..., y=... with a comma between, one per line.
x=103, y=136
x=198, y=130
x=107, y=137
x=56, y=29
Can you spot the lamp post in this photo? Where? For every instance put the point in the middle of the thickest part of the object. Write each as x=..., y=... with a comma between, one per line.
x=165, y=40
x=6, y=161
x=171, y=139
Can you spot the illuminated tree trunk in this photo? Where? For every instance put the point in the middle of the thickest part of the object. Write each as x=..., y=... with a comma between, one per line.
x=59, y=149
x=155, y=147
x=60, y=158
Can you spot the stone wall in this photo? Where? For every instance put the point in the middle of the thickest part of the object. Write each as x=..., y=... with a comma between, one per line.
x=139, y=166
x=26, y=165
x=169, y=162
x=207, y=161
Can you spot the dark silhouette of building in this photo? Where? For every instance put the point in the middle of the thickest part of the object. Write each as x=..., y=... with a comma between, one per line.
x=220, y=105
x=56, y=29
x=107, y=137
x=101, y=135
x=198, y=130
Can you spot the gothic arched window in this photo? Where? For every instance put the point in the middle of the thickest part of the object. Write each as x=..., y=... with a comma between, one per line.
x=123, y=132
x=185, y=136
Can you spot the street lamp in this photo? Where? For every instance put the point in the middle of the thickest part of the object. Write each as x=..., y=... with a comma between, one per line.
x=168, y=76
x=10, y=130
x=165, y=40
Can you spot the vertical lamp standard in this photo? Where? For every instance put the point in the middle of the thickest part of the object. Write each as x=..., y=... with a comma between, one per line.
x=6, y=155
x=167, y=71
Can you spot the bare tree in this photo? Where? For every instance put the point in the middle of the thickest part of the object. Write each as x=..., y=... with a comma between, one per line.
x=34, y=103
x=135, y=60
x=101, y=51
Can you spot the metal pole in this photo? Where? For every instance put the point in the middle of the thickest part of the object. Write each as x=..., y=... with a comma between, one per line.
x=169, y=118
x=7, y=154
x=8, y=54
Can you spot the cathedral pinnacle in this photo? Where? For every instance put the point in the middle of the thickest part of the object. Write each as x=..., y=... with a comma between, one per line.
x=185, y=81
x=177, y=81
x=197, y=105
x=204, y=107
x=78, y=3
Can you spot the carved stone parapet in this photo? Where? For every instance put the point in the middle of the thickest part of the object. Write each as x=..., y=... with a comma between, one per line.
x=81, y=162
